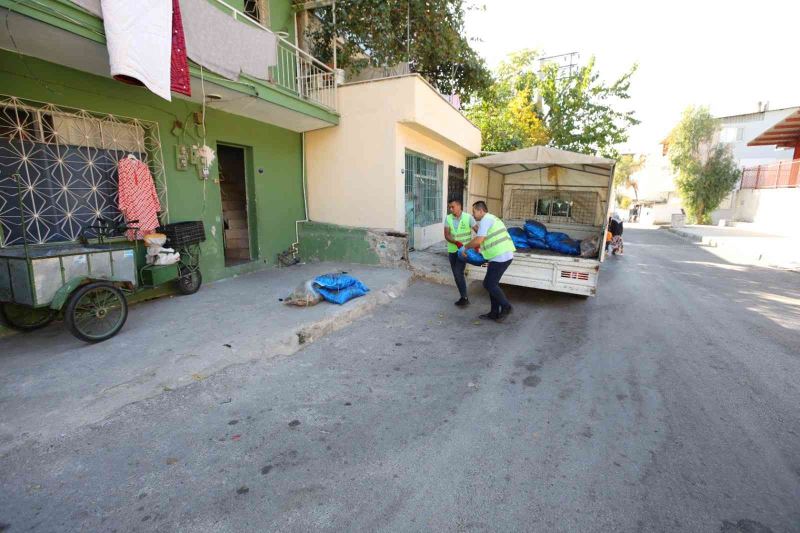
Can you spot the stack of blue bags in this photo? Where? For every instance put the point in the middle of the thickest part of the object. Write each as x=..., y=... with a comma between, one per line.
x=339, y=288
x=534, y=235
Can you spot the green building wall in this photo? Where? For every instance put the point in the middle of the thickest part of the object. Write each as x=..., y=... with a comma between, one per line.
x=275, y=195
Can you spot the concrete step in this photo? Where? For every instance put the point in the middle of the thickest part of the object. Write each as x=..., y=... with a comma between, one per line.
x=237, y=253
x=240, y=233
x=237, y=223
x=237, y=243
x=232, y=204
x=235, y=215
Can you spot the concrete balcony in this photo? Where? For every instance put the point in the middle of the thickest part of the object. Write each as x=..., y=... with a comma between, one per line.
x=297, y=93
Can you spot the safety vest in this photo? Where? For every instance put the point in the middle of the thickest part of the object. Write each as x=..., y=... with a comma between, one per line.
x=498, y=241
x=462, y=233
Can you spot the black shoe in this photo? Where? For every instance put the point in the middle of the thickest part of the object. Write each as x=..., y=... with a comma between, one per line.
x=489, y=316
x=504, y=314
x=462, y=302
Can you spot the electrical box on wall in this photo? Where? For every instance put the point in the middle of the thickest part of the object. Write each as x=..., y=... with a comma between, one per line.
x=182, y=156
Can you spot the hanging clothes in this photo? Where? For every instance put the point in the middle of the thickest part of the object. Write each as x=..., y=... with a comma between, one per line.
x=180, y=80
x=139, y=41
x=138, y=199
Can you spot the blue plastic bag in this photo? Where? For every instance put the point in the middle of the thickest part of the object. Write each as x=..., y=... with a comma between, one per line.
x=341, y=296
x=339, y=288
x=474, y=257
x=519, y=237
x=563, y=244
x=535, y=229
x=334, y=281
x=538, y=244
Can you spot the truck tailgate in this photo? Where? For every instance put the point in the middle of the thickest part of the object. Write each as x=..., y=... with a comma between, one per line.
x=551, y=272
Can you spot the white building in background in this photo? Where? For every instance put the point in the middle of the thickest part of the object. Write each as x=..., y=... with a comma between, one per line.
x=738, y=130
x=658, y=194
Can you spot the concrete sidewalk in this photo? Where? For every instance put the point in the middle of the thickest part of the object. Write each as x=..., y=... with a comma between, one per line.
x=744, y=245
x=51, y=383
x=432, y=264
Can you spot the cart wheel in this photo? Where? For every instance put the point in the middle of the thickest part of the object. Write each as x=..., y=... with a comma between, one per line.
x=190, y=280
x=26, y=318
x=96, y=312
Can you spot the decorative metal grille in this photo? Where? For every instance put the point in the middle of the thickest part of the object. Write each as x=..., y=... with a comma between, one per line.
x=424, y=186
x=66, y=163
x=567, y=207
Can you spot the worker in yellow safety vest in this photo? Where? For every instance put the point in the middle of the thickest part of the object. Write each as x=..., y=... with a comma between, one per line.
x=498, y=249
x=458, y=228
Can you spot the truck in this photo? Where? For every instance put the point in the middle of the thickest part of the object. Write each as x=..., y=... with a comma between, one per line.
x=568, y=192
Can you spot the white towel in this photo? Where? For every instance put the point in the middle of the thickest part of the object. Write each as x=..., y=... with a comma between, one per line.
x=139, y=41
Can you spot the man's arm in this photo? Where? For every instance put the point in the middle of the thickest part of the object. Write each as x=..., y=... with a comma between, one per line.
x=448, y=237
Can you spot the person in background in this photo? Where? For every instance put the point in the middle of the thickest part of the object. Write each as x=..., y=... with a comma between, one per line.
x=614, y=235
x=498, y=249
x=458, y=227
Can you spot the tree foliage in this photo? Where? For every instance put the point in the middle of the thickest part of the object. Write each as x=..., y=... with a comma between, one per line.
x=373, y=34
x=627, y=165
x=706, y=170
x=577, y=112
x=506, y=112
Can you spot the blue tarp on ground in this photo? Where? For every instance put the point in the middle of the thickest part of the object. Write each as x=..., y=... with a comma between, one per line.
x=339, y=288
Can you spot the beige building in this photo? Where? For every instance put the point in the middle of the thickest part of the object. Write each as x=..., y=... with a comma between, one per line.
x=388, y=163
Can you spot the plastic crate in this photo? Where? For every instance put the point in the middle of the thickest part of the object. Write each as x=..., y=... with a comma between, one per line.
x=181, y=234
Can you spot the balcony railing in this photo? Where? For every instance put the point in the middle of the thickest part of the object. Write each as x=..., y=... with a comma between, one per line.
x=777, y=175
x=296, y=70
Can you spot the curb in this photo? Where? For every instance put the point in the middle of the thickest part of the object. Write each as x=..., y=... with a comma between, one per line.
x=302, y=336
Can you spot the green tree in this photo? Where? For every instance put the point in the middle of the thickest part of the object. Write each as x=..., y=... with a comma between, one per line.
x=506, y=112
x=627, y=165
x=427, y=33
x=580, y=111
x=706, y=171
x=575, y=112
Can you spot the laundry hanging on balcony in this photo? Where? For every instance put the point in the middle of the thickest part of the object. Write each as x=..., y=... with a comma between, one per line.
x=146, y=45
x=225, y=45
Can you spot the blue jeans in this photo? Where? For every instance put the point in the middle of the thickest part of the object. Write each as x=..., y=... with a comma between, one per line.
x=491, y=282
x=458, y=267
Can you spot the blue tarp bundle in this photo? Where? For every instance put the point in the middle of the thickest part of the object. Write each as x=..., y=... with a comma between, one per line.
x=339, y=288
x=474, y=257
x=520, y=238
x=562, y=243
x=539, y=244
x=535, y=230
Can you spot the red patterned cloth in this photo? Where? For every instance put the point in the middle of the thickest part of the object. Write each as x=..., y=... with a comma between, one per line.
x=180, y=81
x=138, y=199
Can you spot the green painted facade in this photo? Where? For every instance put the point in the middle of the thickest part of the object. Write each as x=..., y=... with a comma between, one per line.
x=275, y=196
x=329, y=242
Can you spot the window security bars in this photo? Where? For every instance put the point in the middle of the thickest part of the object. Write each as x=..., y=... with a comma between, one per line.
x=66, y=162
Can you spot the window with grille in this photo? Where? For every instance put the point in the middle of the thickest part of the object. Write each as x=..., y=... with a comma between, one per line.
x=257, y=10
x=424, y=188
x=566, y=207
x=58, y=169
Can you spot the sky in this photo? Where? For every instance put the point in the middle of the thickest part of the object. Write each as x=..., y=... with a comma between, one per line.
x=726, y=55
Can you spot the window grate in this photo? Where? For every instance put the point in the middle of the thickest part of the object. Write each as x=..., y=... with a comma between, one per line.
x=566, y=207
x=423, y=186
x=66, y=161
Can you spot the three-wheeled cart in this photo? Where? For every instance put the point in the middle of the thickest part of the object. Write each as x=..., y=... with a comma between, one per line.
x=88, y=283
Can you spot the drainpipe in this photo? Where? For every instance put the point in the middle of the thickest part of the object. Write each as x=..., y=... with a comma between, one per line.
x=296, y=244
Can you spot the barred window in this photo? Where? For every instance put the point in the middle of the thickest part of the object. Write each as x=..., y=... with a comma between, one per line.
x=424, y=186
x=64, y=163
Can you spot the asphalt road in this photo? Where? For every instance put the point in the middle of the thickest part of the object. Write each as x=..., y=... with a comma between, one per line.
x=670, y=402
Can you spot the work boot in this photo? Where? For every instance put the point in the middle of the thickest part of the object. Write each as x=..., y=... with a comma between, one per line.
x=504, y=314
x=462, y=302
x=489, y=316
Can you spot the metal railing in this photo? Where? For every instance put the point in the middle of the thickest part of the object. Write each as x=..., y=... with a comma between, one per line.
x=783, y=174
x=296, y=70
